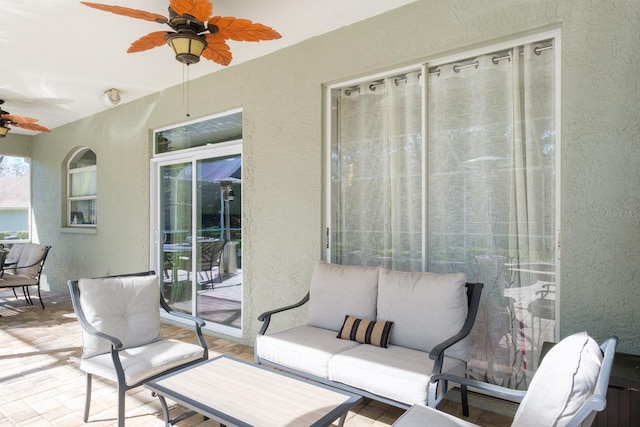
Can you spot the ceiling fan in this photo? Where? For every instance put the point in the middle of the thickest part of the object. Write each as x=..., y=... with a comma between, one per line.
x=195, y=31
x=23, y=122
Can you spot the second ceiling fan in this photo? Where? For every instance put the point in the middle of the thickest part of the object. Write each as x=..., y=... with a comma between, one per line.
x=195, y=31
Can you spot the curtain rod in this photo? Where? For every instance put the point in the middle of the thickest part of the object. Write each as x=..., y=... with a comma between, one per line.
x=435, y=71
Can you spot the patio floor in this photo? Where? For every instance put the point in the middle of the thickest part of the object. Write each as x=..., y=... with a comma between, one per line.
x=41, y=385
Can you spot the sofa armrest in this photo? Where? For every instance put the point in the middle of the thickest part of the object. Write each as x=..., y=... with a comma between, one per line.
x=474, y=290
x=266, y=316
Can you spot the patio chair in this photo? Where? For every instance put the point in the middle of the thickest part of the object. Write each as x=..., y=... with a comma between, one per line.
x=567, y=390
x=22, y=268
x=122, y=342
x=210, y=256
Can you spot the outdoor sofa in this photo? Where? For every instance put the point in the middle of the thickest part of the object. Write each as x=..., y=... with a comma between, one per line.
x=377, y=332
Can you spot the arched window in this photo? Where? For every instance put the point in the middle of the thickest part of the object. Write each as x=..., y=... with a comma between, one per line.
x=82, y=189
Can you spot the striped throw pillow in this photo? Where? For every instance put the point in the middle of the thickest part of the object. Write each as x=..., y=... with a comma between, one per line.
x=366, y=331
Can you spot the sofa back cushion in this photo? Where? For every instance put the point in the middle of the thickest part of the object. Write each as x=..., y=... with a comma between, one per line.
x=127, y=308
x=337, y=291
x=425, y=308
x=565, y=380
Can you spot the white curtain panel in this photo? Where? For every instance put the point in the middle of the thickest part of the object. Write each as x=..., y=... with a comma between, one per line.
x=377, y=175
x=488, y=206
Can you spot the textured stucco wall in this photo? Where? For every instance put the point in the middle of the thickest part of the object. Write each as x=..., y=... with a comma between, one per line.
x=15, y=145
x=281, y=95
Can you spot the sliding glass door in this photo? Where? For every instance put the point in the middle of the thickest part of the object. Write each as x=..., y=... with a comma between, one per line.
x=197, y=228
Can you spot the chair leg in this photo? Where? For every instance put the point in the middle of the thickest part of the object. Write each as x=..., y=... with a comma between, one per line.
x=27, y=295
x=464, y=397
x=122, y=390
x=87, y=401
x=40, y=297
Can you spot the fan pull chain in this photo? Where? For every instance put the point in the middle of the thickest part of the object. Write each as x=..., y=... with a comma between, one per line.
x=185, y=89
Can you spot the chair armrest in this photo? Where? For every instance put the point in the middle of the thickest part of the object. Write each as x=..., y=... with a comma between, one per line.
x=84, y=323
x=198, y=324
x=266, y=316
x=492, y=389
x=116, y=344
x=196, y=320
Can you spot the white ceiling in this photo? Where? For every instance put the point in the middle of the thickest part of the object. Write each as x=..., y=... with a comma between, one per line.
x=59, y=56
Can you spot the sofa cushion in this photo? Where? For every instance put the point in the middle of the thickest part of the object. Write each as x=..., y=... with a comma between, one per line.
x=397, y=373
x=366, y=331
x=340, y=290
x=425, y=308
x=305, y=348
x=126, y=308
x=564, y=381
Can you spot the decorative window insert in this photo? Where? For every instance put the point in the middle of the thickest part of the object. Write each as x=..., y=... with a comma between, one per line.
x=82, y=190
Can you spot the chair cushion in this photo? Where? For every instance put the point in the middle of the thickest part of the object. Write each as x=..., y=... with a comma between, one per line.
x=421, y=415
x=425, y=308
x=565, y=379
x=340, y=290
x=125, y=307
x=16, y=281
x=30, y=257
x=25, y=254
x=366, y=331
x=143, y=362
x=14, y=254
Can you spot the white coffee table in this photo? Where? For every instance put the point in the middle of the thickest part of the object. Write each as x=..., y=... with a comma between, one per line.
x=239, y=393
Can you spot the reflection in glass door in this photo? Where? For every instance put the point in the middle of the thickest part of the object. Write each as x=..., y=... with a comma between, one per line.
x=201, y=236
x=176, y=205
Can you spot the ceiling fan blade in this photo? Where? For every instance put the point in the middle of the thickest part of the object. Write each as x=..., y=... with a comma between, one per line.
x=217, y=50
x=19, y=119
x=31, y=126
x=242, y=30
x=151, y=40
x=201, y=10
x=126, y=11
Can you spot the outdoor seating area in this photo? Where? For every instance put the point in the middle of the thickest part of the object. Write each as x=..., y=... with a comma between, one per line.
x=41, y=382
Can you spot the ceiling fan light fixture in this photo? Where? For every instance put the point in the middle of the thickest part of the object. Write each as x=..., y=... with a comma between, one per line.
x=3, y=131
x=187, y=46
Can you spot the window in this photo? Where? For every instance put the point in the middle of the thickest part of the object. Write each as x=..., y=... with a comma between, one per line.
x=224, y=128
x=82, y=190
x=15, y=199
x=451, y=166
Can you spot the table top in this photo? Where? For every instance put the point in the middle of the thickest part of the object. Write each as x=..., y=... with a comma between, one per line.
x=240, y=393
